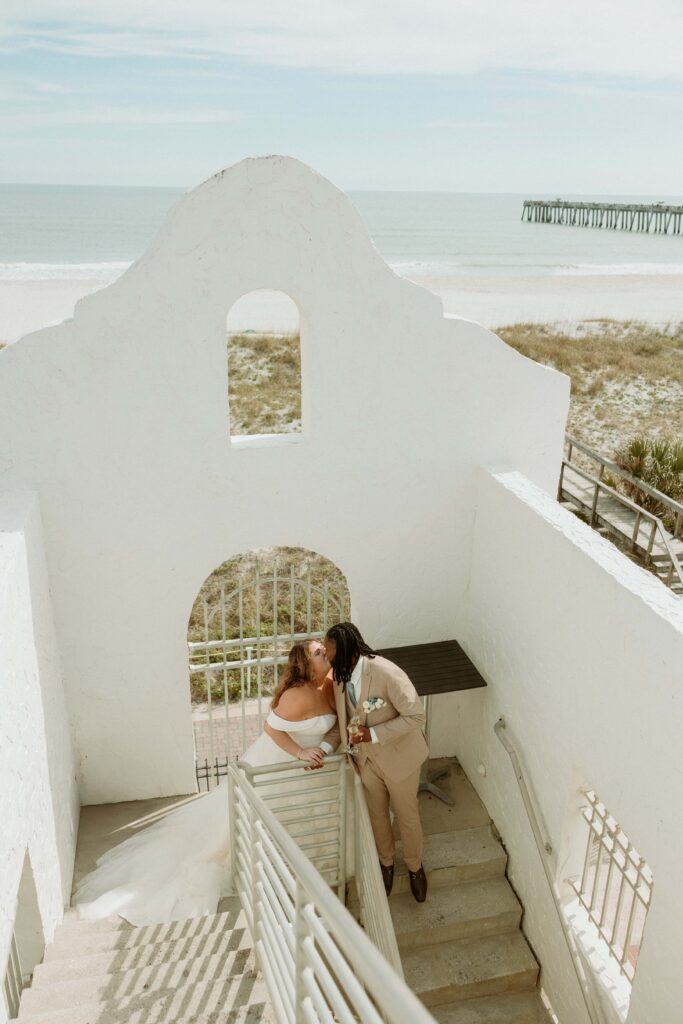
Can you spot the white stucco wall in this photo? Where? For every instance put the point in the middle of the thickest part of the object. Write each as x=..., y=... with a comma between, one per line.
x=583, y=652
x=119, y=420
x=38, y=795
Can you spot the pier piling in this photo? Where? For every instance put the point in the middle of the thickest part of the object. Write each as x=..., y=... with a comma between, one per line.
x=656, y=217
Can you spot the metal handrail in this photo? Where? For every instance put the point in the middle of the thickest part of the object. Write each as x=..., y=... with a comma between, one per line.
x=330, y=782
x=375, y=915
x=316, y=960
x=641, y=513
x=544, y=847
x=664, y=499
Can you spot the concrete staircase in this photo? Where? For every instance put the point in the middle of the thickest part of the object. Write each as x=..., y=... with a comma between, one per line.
x=462, y=950
x=199, y=971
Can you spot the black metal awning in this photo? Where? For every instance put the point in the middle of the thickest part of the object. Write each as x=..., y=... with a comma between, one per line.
x=441, y=667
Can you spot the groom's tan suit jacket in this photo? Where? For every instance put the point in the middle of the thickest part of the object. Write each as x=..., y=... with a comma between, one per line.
x=399, y=724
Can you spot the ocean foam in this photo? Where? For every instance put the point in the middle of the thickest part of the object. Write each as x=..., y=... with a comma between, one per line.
x=61, y=271
x=614, y=269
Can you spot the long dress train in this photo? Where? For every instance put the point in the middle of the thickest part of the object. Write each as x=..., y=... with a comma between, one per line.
x=179, y=866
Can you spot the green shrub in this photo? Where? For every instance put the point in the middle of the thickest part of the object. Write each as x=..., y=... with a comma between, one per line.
x=657, y=462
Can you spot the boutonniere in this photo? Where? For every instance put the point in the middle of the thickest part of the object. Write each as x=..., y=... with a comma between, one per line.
x=373, y=704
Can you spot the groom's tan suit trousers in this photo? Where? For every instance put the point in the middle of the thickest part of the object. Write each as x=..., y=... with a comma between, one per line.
x=390, y=768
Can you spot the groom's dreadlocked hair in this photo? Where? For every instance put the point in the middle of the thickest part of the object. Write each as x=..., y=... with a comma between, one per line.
x=350, y=646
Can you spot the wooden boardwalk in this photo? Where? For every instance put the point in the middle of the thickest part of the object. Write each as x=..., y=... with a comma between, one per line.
x=656, y=217
x=616, y=516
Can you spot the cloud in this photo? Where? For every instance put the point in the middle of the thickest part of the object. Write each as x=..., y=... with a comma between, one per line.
x=626, y=38
x=122, y=116
x=461, y=125
x=21, y=89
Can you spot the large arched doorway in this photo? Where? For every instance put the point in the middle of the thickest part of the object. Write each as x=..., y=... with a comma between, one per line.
x=245, y=618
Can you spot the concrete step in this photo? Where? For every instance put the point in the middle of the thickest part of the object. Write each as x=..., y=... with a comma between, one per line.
x=516, y=1008
x=72, y=938
x=239, y=1000
x=110, y=961
x=58, y=995
x=73, y=921
x=469, y=968
x=469, y=910
x=452, y=857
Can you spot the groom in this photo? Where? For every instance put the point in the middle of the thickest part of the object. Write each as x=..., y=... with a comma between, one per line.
x=390, y=744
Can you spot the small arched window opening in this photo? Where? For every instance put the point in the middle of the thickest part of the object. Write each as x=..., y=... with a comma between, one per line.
x=264, y=367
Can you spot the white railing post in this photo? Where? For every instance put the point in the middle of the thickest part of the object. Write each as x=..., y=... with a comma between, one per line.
x=232, y=826
x=343, y=798
x=300, y=932
x=250, y=651
x=254, y=875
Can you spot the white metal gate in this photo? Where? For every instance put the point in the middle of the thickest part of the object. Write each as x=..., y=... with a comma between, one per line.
x=247, y=631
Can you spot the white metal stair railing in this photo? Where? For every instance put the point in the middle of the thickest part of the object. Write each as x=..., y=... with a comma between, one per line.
x=312, y=806
x=320, y=966
x=341, y=830
x=14, y=980
x=375, y=915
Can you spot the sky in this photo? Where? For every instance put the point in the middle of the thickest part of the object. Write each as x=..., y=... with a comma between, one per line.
x=544, y=96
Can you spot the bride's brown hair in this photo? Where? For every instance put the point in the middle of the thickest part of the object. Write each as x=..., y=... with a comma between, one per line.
x=298, y=671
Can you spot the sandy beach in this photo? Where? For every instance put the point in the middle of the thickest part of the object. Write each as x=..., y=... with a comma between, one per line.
x=561, y=299
x=493, y=301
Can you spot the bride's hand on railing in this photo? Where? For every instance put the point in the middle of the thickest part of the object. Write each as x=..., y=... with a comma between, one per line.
x=314, y=755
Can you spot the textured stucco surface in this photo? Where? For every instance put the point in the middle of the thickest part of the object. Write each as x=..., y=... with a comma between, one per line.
x=583, y=653
x=142, y=494
x=38, y=794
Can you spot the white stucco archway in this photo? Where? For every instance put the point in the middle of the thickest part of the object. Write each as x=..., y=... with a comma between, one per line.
x=117, y=419
x=246, y=616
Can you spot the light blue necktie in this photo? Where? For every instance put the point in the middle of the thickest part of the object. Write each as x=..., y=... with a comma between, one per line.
x=352, y=695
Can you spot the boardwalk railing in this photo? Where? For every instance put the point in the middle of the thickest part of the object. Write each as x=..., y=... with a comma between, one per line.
x=318, y=963
x=606, y=466
x=657, y=217
x=648, y=537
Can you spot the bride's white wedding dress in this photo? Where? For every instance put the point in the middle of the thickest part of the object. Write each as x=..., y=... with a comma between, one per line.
x=179, y=866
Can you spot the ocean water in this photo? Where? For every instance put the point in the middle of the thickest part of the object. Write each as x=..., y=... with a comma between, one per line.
x=75, y=232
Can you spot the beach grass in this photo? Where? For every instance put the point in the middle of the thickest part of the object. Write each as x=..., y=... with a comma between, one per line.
x=264, y=383
x=294, y=567
x=626, y=377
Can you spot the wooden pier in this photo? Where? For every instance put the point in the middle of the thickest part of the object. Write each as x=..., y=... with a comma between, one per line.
x=655, y=217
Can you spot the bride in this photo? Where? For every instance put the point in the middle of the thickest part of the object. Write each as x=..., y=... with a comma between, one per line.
x=179, y=866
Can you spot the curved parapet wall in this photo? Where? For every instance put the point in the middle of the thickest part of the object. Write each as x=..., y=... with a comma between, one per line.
x=119, y=420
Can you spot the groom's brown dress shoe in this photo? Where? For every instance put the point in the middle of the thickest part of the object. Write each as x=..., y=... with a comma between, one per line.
x=418, y=884
x=387, y=876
